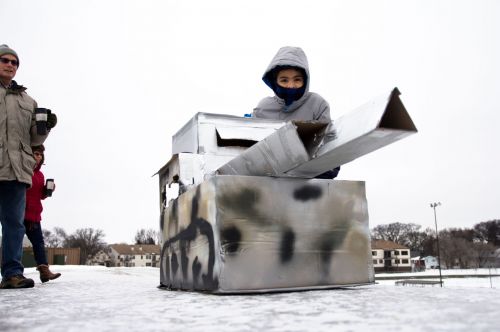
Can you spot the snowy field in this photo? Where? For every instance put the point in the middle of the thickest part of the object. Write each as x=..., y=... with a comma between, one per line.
x=127, y=299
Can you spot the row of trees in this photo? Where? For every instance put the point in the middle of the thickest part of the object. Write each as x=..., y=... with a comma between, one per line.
x=147, y=236
x=465, y=247
x=90, y=240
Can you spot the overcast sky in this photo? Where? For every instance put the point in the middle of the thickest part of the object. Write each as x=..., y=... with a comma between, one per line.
x=123, y=76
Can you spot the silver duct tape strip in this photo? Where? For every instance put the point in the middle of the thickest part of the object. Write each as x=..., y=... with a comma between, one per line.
x=274, y=155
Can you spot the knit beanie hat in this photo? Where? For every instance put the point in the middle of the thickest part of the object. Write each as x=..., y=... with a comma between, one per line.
x=5, y=49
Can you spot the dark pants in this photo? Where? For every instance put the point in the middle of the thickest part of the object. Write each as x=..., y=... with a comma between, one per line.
x=12, y=204
x=35, y=235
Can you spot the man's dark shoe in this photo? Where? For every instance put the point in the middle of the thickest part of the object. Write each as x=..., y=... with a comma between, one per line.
x=18, y=281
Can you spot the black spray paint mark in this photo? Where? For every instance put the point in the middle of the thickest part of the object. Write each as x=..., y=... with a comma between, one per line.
x=287, y=245
x=230, y=239
x=328, y=243
x=175, y=264
x=162, y=217
x=203, y=227
x=307, y=192
x=183, y=244
x=165, y=271
x=196, y=268
x=243, y=201
x=174, y=216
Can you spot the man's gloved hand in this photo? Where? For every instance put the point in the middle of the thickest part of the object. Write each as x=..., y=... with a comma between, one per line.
x=51, y=119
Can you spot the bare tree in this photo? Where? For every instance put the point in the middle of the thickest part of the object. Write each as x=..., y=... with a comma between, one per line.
x=482, y=253
x=428, y=244
x=89, y=240
x=462, y=233
x=149, y=236
x=395, y=232
x=455, y=251
x=488, y=231
x=408, y=234
x=49, y=239
x=418, y=240
x=54, y=239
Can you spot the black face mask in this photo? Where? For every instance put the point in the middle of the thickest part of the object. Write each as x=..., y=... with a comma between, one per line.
x=289, y=95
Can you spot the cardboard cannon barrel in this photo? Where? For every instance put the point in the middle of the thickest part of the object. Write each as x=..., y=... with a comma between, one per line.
x=307, y=149
x=241, y=213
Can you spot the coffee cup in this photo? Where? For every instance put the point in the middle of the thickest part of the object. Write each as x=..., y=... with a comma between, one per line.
x=49, y=187
x=41, y=121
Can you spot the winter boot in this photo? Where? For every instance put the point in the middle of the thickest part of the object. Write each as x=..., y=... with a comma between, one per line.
x=18, y=281
x=46, y=274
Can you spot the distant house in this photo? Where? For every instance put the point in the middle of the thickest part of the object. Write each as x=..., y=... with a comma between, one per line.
x=102, y=258
x=431, y=262
x=417, y=264
x=135, y=255
x=389, y=256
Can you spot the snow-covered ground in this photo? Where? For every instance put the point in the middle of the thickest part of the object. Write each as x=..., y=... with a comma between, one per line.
x=127, y=299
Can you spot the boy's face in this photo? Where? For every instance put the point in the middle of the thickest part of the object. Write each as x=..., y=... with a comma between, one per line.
x=290, y=78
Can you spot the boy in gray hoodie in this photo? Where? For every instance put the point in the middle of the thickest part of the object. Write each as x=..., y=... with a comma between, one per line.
x=288, y=76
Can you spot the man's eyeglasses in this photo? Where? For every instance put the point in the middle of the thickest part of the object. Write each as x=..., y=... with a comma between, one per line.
x=6, y=61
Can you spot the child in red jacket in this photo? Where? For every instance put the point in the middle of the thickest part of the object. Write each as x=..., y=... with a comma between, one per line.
x=33, y=216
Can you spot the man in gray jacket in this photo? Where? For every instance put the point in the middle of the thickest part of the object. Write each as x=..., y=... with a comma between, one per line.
x=17, y=134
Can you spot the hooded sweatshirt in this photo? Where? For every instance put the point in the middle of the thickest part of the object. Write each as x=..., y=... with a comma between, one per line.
x=311, y=106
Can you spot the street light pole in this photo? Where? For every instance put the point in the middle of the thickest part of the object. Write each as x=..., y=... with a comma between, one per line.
x=434, y=205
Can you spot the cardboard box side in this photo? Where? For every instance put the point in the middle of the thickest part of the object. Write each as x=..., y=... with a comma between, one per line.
x=199, y=134
x=278, y=233
x=190, y=258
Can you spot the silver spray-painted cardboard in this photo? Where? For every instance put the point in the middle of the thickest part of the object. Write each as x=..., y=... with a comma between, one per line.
x=241, y=234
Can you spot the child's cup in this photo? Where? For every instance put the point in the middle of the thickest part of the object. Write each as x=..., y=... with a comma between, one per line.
x=49, y=187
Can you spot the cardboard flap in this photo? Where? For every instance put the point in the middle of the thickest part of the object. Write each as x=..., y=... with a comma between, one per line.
x=274, y=155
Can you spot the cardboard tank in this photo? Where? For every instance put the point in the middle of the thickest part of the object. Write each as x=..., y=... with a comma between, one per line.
x=241, y=211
